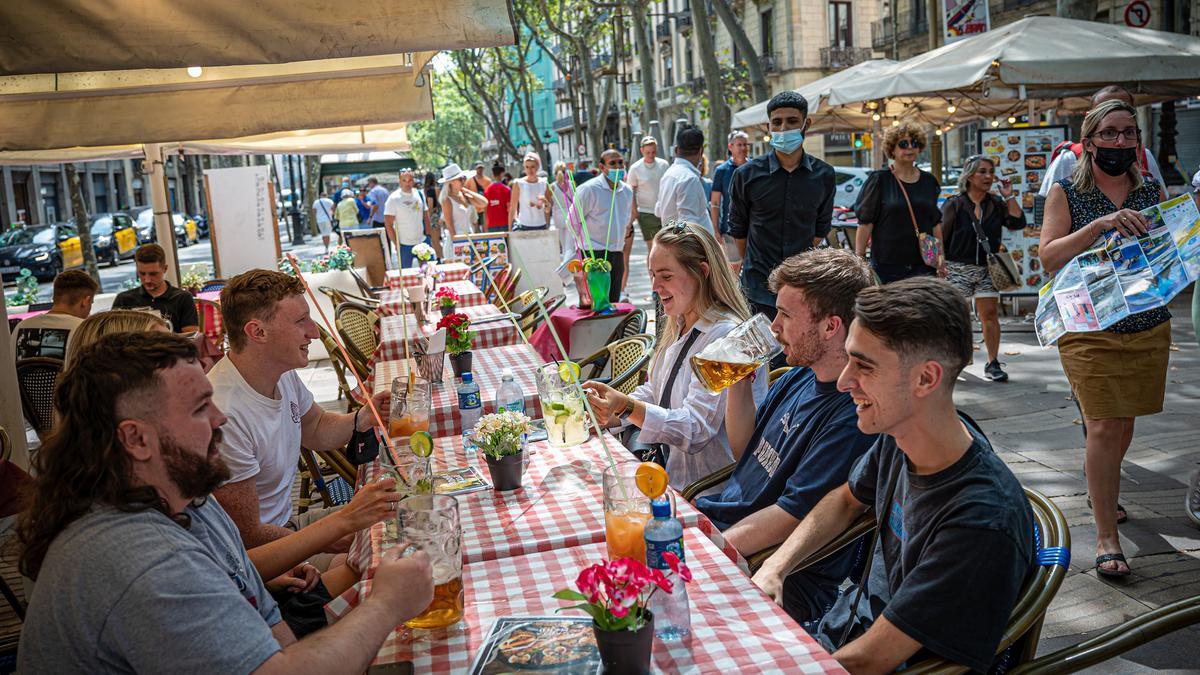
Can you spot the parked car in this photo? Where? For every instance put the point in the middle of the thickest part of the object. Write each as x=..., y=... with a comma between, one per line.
x=185, y=228
x=45, y=250
x=848, y=183
x=113, y=237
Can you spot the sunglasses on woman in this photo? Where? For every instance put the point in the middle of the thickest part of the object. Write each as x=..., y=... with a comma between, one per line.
x=905, y=144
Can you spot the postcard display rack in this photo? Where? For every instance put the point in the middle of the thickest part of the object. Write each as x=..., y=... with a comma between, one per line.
x=1022, y=155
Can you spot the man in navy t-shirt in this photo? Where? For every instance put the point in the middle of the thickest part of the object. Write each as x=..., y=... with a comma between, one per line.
x=804, y=439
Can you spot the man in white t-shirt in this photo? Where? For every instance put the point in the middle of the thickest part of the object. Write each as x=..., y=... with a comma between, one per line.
x=272, y=414
x=644, y=177
x=46, y=334
x=323, y=207
x=406, y=218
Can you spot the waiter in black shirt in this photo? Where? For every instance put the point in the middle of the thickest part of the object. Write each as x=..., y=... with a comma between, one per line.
x=176, y=306
x=782, y=202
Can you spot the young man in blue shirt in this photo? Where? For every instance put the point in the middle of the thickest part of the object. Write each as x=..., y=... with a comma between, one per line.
x=804, y=438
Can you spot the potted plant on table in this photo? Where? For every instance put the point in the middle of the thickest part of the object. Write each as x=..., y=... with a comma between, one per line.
x=500, y=436
x=447, y=300
x=458, y=341
x=616, y=594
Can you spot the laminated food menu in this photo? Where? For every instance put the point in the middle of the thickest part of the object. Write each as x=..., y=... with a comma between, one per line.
x=1022, y=155
x=1120, y=276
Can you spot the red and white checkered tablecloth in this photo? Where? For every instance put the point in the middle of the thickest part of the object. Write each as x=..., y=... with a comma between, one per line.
x=393, y=302
x=411, y=276
x=736, y=628
x=561, y=504
x=488, y=335
x=487, y=367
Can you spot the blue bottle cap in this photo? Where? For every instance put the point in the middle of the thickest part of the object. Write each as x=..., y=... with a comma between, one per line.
x=466, y=377
x=660, y=508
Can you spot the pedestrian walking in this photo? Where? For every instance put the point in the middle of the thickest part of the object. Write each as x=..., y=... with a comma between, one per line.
x=530, y=205
x=406, y=218
x=323, y=208
x=363, y=201
x=895, y=204
x=434, y=206
x=738, y=146
x=498, y=217
x=973, y=216
x=347, y=210
x=782, y=202
x=378, y=196
x=1066, y=156
x=644, y=178
x=681, y=190
x=1118, y=374
x=479, y=183
x=458, y=204
x=605, y=205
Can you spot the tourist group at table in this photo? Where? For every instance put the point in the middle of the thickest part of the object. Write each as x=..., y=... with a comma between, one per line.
x=162, y=530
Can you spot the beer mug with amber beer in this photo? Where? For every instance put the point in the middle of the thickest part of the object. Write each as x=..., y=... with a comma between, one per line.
x=432, y=524
x=741, y=352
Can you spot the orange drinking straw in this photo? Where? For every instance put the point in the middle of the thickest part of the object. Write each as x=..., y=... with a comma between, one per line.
x=387, y=442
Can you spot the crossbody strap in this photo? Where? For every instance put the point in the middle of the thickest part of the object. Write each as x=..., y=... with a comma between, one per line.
x=983, y=241
x=664, y=401
x=911, y=213
x=881, y=521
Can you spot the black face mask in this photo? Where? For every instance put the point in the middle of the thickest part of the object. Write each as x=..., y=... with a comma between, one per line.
x=1115, y=161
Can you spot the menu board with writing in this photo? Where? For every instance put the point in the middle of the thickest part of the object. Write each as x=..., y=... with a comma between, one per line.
x=1022, y=156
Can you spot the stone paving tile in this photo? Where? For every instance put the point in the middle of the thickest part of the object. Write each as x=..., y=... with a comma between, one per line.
x=1084, y=603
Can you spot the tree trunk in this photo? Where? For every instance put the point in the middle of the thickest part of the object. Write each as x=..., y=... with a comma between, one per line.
x=312, y=187
x=646, y=62
x=718, y=112
x=1077, y=9
x=83, y=222
x=754, y=65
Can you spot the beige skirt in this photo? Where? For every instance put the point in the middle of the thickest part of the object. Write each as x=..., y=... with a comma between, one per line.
x=1117, y=374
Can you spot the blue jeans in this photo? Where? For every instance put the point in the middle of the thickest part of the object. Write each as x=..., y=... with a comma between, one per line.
x=406, y=256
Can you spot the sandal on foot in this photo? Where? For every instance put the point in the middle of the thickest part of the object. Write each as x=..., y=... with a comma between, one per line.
x=1110, y=557
x=1122, y=515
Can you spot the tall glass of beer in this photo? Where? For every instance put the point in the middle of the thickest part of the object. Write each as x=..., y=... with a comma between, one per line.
x=741, y=352
x=432, y=523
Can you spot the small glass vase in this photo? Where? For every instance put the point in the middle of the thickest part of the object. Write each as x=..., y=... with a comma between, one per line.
x=599, y=283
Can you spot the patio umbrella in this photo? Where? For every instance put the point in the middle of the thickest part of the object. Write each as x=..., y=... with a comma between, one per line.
x=815, y=92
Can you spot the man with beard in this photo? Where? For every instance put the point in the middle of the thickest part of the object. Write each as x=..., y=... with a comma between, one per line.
x=137, y=570
x=804, y=438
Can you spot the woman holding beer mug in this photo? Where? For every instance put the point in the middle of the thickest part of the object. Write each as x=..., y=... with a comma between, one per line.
x=702, y=303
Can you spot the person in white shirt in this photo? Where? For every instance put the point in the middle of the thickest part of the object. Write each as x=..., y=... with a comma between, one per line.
x=272, y=414
x=702, y=303
x=529, y=207
x=47, y=334
x=644, y=178
x=605, y=206
x=323, y=208
x=405, y=217
x=681, y=192
x=1064, y=164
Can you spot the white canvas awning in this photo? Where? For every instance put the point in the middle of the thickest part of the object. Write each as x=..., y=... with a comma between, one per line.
x=163, y=106
x=1041, y=57
x=361, y=138
x=815, y=92
x=67, y=36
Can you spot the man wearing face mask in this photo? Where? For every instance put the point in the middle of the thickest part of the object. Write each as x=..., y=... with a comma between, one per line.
x=781, y=202
x=605, y=204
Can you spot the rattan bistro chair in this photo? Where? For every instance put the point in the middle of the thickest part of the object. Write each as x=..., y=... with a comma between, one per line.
x=356, y=326
x=530, y=322
x=629, y=359
x=634, y=323
x=337, y=297
x=354, y=399
x=36, y=377
x=777, y=373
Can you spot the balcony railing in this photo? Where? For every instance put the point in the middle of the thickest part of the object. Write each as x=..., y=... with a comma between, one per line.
x=837, y=58
x=683, y=23
x=601, y=62
x=564, y=124
x=882, y=31
x=663, y=31
x=881, y=34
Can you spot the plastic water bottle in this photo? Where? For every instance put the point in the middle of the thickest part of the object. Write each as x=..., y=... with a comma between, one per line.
x=672, y=615
x=509, y=398
x=470, y=408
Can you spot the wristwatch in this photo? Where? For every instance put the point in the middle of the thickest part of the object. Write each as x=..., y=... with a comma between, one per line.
x=629, y=408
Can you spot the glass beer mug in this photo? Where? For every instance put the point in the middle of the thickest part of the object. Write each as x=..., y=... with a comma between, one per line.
x=431, y=523
x=741, y=352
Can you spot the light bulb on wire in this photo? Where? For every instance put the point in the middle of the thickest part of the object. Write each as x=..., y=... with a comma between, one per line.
x=951, y=108
x=938, y=132
x=895, y=123
x=1012, y=119
x=876, y=117
x=195, y=71
x=995, y=123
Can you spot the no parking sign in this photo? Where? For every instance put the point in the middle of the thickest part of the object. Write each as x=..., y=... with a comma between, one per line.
x=1137, y=14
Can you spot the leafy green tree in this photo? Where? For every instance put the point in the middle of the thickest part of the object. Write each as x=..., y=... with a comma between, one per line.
x=453, y=135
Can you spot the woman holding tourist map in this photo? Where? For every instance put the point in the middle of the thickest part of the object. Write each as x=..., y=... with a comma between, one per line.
x=1120, y=373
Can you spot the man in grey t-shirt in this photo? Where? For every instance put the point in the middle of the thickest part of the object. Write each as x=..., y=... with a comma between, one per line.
x=137, y=569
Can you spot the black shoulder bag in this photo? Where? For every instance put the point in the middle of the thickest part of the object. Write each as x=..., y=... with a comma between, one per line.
x=1000, y=265
x=658, y=452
